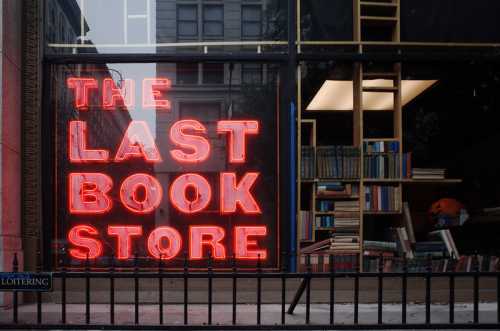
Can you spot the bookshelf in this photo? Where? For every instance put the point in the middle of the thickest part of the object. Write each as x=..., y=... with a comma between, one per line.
x=383, y=169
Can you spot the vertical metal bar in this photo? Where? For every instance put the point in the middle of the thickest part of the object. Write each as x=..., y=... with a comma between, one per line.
x=259, y=289
x=63, y=291
x=136, y=289
x=380, y=288
x=404, y=289
x=498, y=297
x=15, y=268
x=235, y=284
x=209, y=288
x=308, y=288
x=112, y=291
x=476, y=290
x=356, y=295
x=452, y=298
x=283, y=289
x=332, y=288
x=186, y=268
x=87, y=290
x=428, y=290
x=38, y=294
x=160, y=290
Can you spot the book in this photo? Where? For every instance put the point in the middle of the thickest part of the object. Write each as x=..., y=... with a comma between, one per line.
x=447, y=239
x=306, y=225
x=338, y=161
x=307, y=164
x=408, y=222
x=382, y=198
x=428, y=173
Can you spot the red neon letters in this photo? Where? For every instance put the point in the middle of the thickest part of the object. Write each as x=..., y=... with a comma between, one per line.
x=198, y=144
x=198, y=238
x=133, y=200
x=202, y=193
x=237, y=132
x=113, y=96
x=166, y=242
x=78, y=152
x=233, y=194
x=138, y=142
x=152, y=193
x=152, y=89
x=85, y=246
x=82, y=87
x=88, y=193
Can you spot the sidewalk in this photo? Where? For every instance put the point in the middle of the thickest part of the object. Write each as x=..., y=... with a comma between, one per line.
x=246, y=314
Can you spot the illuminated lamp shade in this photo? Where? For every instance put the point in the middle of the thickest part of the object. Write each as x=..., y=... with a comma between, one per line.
x=337, y=95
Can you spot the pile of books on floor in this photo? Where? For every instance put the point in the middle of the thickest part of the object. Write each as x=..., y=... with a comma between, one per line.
x=305, y=226
x=424, y=173
x=338, y=161
x=376, y=253
x=336, y=190
x=307, y=166
x=382, y=198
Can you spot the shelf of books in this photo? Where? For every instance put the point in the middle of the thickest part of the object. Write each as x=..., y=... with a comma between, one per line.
x=351, y=197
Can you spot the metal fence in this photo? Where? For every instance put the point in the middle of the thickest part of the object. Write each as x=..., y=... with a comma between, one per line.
x=260, y=276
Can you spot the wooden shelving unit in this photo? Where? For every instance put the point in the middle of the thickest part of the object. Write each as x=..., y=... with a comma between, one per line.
x=367, y=14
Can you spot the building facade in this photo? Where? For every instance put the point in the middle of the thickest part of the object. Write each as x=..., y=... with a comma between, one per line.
x=247, y=130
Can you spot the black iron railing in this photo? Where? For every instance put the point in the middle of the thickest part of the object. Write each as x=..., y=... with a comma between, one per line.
x=281, y=279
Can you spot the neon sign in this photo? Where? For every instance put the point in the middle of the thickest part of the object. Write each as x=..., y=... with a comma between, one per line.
x=119, y=201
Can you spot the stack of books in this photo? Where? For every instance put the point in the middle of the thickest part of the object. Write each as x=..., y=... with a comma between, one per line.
x=423, y=173
x=336, y=190
x=346, y=222
x=446, y=238
x=348, y=205
x=382, y=198
x=306, y=229
x=345, y=243
x=338, y=161
x=307, y=167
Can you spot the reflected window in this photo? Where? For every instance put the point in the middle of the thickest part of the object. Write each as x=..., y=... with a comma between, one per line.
x=213, y=21
x=251, y=21
x=187, y=73
x=251, y=73
x=213, y=73
x=187, y=21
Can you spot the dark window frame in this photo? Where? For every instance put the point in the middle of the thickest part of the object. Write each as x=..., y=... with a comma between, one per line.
x=178, y=35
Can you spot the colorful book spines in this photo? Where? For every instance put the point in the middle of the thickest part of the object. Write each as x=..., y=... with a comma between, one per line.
x=382, y=198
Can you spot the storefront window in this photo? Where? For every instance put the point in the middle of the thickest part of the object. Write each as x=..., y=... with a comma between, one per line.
x=155, y=26
x=148, y=167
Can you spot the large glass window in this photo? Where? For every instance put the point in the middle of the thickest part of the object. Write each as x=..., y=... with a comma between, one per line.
x=155, y=26
x=148, y=167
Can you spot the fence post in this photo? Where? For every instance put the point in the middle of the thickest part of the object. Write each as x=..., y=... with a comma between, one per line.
x=308, y=288
x=476, y=289
x=356, y=293
x=331, y=262
x=63, y=286
x=209, y=288
x=160, y=289
x=38, y=294
x=259, y=288
x=428, y=290
x=112, y=290
x=283, y=287
x=404, y=289
x=235, y=284
x=136, y=288
x=380, y=287
x=15, y=268
x=185, y=274
x=87, y=289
